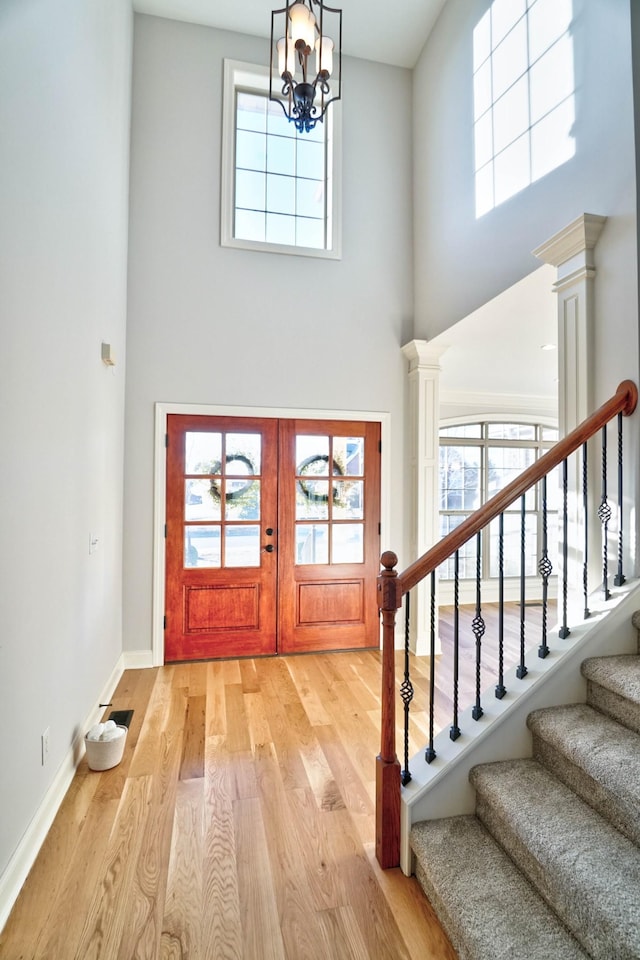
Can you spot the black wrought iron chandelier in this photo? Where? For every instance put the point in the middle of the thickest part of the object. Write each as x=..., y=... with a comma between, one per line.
x=306, y=60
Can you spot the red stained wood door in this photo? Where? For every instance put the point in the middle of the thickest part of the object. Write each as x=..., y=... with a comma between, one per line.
x=272, y=537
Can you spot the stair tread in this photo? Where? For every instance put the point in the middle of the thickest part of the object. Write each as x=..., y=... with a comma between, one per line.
x=587, y=869
x=489, y=909
x=603, y=748
x=620, y=674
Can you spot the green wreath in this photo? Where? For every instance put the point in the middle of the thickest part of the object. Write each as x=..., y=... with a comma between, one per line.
x=232, y=495
x=319, y=497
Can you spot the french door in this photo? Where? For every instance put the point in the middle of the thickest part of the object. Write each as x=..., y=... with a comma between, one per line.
x=272, y=536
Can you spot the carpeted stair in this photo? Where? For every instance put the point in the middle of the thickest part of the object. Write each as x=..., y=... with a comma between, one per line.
x=549, y=866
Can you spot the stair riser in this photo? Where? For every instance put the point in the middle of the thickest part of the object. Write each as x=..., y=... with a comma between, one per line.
x=621, y=815
x=613, y=705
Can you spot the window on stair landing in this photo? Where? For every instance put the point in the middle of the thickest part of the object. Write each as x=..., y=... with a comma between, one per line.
x=524, y=96
x=477, y=460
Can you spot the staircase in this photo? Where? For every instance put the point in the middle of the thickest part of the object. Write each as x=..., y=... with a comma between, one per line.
x=549, y=866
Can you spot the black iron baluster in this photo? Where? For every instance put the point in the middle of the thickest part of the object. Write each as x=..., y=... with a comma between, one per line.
x=604, y=514
x=545, y=568
x=500, y=687
x=454, y=732
x=564, y=629
x=478, y=627
x=430, y=753
x=585, y=510
x=521, y=670
x=619, y=578
x=406, y=692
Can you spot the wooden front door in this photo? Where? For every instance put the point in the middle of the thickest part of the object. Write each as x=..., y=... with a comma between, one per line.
x=272, y=536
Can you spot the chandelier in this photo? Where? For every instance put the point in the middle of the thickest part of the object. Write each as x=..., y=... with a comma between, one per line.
x=305, y=60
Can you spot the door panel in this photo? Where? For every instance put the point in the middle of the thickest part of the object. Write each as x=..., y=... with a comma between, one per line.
x=221, y=515
x=329, y=511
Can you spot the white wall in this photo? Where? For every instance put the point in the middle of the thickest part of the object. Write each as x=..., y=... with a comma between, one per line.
x=223, y=326
x=462, y=262
x=64, y=117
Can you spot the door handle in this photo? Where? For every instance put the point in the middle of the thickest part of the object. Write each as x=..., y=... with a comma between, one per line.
x=269, y=548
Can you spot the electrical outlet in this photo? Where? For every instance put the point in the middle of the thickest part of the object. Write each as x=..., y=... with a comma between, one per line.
x=45, y=746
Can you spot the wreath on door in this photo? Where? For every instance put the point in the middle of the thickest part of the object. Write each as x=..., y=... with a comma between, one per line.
x=231, y=495
x=305, y=486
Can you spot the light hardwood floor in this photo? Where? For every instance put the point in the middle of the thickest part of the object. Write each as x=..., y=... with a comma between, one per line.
x=240, y=823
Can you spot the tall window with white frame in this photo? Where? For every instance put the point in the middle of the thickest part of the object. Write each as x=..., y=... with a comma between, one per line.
x=477, y=460
x=280, y=187
x=524, y=96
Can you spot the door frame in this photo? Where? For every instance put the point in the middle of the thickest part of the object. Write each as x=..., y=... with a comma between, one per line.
x=162, y=410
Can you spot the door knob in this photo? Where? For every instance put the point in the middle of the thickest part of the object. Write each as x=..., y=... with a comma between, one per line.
x=269, y=531
x=269, y=548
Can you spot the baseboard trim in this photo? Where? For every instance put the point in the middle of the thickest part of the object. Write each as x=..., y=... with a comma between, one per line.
x=137, y=659
x=17, y=871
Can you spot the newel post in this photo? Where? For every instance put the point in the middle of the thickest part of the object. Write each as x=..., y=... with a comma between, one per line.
x=387, y=763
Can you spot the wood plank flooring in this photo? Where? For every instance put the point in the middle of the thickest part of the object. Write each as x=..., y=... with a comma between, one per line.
x=240, y=822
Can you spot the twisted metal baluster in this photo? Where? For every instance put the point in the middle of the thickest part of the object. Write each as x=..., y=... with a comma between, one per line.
x=564, y=629
x=585, y=508
x=500, y=687
x=544, y=568
x=604, y=514
x=478, y=627
x=521, y=670
x=619, y=577
x=454, y=732
x=406, y=692
x=430, y=753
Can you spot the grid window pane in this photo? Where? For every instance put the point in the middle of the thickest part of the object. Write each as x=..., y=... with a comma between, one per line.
x=467, y=555
x=250, y=190
x=251, y=113
x=281, y=155
x=251, y=150
x=281, y=194
x=250, y=225
x=459, y=478
x=471, y=430
x=310, y=233
x=280, y=229
x=511, y=431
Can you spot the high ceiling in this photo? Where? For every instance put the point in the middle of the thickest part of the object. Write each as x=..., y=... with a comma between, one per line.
x=371, y=29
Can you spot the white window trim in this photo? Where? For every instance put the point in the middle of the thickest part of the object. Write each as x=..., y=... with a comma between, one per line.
x=253, y=77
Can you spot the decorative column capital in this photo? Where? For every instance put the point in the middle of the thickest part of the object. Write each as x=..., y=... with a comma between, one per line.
x=578, y=237
x=421, y=354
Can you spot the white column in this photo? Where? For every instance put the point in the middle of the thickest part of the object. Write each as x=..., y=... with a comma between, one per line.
x=424, y=419
x=571, y=251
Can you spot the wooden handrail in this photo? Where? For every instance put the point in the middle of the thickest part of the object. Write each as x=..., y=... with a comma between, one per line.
x=392, y=587
x=623, y=401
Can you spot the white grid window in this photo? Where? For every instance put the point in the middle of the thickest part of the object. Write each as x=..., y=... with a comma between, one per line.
x=280, y=187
